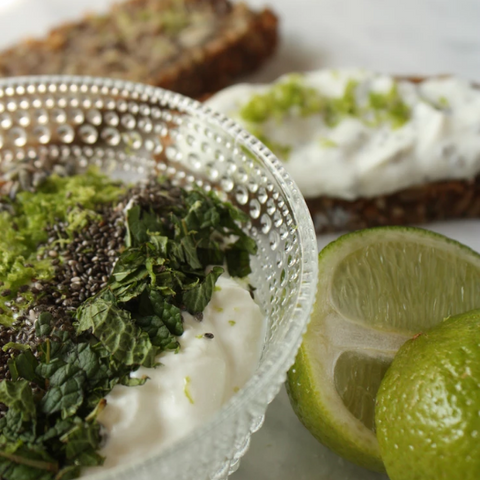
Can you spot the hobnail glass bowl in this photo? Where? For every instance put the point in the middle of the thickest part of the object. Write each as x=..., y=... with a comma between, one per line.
x=130, y=130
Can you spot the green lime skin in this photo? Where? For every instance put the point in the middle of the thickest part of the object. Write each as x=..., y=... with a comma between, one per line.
x=428, y=406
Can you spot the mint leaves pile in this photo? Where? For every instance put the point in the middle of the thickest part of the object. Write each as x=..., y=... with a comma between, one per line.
x=175, y=242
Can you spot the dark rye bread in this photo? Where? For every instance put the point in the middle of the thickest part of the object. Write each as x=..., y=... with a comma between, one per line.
x=193, y=47
x=413, y=206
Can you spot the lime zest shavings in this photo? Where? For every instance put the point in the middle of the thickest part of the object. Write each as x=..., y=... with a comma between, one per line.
x=293, y=97
x=186, y=389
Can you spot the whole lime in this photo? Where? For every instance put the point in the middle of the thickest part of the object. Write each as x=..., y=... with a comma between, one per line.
x=428, y=406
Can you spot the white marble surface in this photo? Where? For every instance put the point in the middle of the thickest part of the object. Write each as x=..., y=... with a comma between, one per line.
x=401, y=37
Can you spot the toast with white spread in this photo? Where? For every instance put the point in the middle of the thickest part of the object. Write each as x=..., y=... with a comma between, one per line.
x=368, y=149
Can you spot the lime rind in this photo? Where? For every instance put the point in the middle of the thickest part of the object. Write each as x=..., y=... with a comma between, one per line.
x=341, y=433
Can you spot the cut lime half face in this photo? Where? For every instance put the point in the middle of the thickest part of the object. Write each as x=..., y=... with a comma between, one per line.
x=377, y=288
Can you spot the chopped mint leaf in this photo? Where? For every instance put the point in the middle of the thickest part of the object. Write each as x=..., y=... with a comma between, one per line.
x=159, y=334
x=238, y=256
x=25, y=462
x=24, y=366
x=18, y=396
x=114, y=327
x=65, y=393
x=133, y=381
x=139, y=223
x=82, y=441
x=15, y=346
x=169, y=314
x=43, y=325
x=232, y=322
x=197, y=298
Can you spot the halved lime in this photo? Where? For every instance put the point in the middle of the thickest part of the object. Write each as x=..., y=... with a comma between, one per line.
x=377, y=288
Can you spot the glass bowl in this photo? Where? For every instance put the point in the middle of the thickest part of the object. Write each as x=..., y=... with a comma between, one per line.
x=130, y=130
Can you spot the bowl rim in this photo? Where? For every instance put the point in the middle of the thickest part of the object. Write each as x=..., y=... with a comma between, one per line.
x=281, y=359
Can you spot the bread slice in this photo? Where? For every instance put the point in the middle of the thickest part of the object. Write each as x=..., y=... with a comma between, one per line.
x=193, y=47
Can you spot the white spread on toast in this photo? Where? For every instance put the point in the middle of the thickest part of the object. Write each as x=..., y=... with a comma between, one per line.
x=419, y=133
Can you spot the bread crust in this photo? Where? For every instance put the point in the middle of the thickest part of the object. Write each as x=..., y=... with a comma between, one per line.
x=417, y=205
x=193, y=47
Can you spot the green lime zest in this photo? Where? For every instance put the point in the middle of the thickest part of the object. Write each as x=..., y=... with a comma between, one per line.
x=389, y=107
x=443, y=102
x=292, y=96
x=327, y=143
x=186, y=389
x=280, y=99
x=345, y=106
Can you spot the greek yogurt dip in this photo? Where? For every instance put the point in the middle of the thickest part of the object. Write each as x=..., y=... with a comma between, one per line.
x=354, y=133
x=217, y=356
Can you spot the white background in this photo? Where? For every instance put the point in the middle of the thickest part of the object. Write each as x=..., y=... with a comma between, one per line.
x=416, y=37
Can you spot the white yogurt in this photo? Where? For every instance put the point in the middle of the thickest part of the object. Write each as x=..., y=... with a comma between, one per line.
x=440, y=141
x=190, y=385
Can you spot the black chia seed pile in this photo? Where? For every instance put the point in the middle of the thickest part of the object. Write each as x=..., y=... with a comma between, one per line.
x=82, y=267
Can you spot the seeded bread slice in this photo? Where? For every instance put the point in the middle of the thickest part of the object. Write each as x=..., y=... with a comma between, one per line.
x=193, y=47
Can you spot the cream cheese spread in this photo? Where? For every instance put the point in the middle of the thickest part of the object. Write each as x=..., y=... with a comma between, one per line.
x=354, y=133
x=217, y=356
